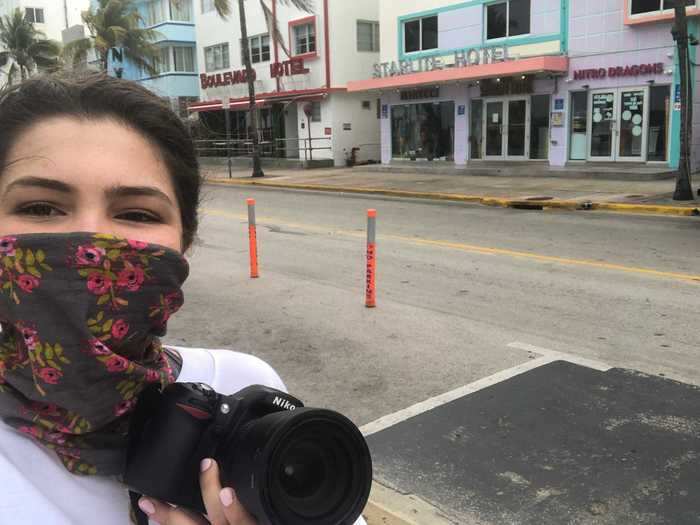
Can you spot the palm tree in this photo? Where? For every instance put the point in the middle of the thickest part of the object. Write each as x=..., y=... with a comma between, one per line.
x=223, y=7
x=116, y=27
x=26, y=48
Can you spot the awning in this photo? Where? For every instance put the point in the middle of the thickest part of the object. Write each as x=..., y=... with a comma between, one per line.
x=262, y=100
x=525, y=66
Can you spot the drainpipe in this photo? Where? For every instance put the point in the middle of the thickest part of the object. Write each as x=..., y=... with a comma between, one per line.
x=327, y=44
x=274, y=39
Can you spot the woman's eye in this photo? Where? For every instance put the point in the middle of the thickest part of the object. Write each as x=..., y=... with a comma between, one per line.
x=138, y=216
x=40, y=210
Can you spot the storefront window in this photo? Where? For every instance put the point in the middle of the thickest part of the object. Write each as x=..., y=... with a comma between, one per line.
x=659, y=113
x=579, y=114
x=476, y=132
x=423, y=130
x=539, y=127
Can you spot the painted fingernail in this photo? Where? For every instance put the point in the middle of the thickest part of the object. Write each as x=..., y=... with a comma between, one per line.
x=205, y=464
x=227, y=496
x=147, y=506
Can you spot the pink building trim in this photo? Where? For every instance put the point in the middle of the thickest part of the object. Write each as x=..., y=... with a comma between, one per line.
x=526, y=66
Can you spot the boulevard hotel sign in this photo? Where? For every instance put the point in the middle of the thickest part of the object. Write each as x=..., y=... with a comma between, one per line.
x=293, y=66
x=463, y=58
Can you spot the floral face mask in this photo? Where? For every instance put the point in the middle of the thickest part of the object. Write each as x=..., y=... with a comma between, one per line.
x=81, y=315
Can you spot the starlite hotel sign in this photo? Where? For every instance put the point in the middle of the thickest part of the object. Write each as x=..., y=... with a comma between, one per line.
x=463, y=58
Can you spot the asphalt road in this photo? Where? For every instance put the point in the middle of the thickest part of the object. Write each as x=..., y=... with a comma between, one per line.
x=456, y=285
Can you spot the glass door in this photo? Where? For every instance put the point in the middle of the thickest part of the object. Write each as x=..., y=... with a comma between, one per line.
x=517, y=129
x=632, y=138
x=493, y=129
x=602, y=125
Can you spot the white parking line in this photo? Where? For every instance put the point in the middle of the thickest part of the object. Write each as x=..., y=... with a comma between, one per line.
x=559, y=356
x=547, y=356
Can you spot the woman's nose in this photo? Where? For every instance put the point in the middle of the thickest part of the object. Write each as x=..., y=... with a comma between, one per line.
x=95, y=221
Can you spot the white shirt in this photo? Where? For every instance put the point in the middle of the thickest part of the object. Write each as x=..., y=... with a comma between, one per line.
x=35, y=487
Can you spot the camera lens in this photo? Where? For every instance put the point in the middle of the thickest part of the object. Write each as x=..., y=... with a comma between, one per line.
x=303, y=471
x=309, y=466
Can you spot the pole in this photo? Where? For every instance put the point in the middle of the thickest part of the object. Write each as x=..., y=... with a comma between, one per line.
x=311, y=144
x=227, y=116
x=370, y=287
x=253, y=240
x=684, y=190
x=252, y=106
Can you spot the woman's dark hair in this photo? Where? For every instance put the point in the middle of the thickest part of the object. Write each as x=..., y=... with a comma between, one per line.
x=97, y=95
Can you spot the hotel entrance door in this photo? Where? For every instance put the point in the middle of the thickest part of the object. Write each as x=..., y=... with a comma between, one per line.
x=506, y=129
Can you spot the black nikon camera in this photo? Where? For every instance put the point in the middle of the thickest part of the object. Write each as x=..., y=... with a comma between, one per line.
x=289, y=465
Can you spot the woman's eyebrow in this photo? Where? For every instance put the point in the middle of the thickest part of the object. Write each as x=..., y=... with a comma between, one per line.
x=117, y=192
x=39, y=182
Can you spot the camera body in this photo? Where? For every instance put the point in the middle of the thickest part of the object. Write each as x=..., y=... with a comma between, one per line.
x=288, y=464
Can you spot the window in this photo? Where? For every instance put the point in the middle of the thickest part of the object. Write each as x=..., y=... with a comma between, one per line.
x=638, y=7
x=511, y=18
x=34, y=15
x=659, y=118
x=315, y=112
x=304, y=38
x=259, y=49
x=207, y=6
x=420, y=34
x=162, y=62
x=367, y=36
x=216, y=57
x=180, y=10
x=154, y=13
x=183, y=59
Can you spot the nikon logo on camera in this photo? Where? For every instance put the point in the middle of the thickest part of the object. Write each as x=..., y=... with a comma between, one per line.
x=283, y=403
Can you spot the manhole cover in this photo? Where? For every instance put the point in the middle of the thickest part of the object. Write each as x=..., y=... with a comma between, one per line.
x=634, y=196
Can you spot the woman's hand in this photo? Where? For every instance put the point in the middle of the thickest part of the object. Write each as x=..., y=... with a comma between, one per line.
x=223, y=508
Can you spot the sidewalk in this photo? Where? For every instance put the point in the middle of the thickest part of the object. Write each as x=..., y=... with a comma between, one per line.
x=651, y=197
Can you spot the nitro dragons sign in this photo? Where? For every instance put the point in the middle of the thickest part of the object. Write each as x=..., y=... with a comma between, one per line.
x=620, y=71
x=463, y=58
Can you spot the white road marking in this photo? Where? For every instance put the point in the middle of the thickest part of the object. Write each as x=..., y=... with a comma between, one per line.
x=547, y=356
x=560, y=356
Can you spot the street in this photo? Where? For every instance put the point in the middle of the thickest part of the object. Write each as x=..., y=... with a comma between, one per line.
x=466, y=294
x=456, y=285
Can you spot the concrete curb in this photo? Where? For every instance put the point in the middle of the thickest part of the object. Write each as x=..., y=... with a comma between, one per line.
x=388, y=507
x=636, y=209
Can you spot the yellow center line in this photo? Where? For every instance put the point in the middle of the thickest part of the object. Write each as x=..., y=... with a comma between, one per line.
x=473, y=248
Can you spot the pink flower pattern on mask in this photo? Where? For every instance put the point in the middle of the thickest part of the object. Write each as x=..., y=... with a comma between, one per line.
x=98, y=284
x=119, y=329
x=89, y=255
x=131, y=278
x=27, y=282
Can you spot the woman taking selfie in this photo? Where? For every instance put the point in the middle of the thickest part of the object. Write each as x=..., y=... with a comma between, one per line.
x=99, y=188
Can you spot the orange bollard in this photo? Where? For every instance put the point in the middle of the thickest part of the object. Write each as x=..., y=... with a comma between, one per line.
x=253, y=239
x=370, y=288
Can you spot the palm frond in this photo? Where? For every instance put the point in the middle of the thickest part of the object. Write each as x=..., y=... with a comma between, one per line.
x=76, y=52
x=273, y=27
x=302, y=5
x=223, y=8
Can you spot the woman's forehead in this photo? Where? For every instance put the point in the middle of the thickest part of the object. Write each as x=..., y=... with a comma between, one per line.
x=95, y=153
